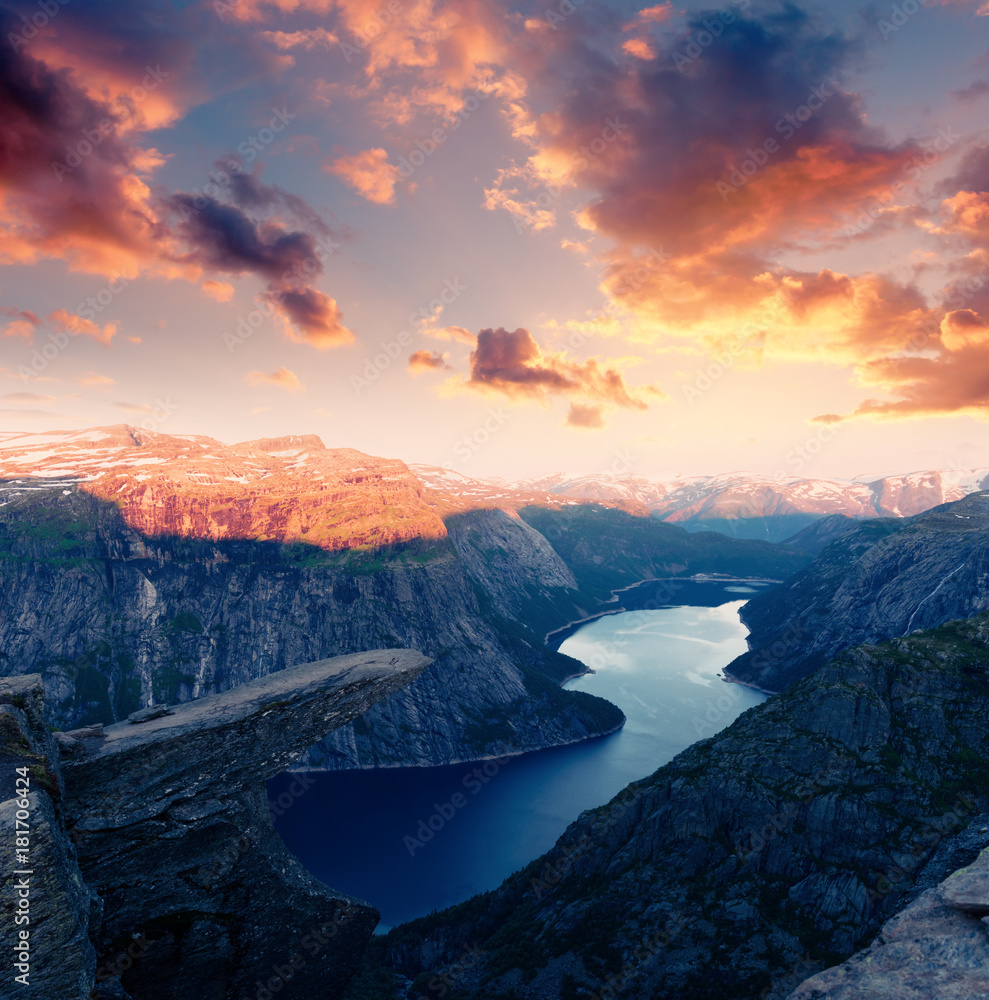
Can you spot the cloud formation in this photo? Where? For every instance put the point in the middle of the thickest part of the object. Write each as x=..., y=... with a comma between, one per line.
x=283, y=378
x=77, y=182
x=426, y=361
x=512, y=364
x=19, y=323
x=227, y=236
x=75, y=325
x=369, y=173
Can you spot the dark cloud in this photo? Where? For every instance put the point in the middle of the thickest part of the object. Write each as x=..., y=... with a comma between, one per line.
x=225, y=238
x=729, y=155
x=314, y=314
x=76, y=182
x=512, y=363
x=63, y=165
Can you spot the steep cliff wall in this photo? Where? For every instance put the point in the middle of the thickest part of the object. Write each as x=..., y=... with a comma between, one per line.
x=883, y=579
x=152, y=867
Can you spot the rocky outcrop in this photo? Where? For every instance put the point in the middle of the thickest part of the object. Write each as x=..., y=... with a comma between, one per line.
x=115, y=621
x=936, y=947
x=754, y=858
x=884, y=578
x=170, y=824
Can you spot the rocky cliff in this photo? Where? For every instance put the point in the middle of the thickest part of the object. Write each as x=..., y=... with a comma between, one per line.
x=754, y=858
x=881, y=579
x=155, y=870
x=185, y=584
x=937, y=946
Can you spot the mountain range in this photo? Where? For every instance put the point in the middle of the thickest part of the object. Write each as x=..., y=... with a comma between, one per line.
x=743, y=505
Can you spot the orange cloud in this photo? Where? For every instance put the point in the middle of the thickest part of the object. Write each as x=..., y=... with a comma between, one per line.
x=962, y=329
x=455, y=333
x=954, y=380
x=283, y=378
x=309, y=39
x=219, y=291
x=93, y=379
x=369, y=173
x=639, y=47
x=425, y=361
x=75, y=325
x=451, y=46
x=22, y=323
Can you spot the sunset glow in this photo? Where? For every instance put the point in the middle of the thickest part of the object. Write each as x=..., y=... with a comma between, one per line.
x=691, y=234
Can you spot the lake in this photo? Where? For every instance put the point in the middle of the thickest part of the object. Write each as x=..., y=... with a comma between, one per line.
x=413, y=840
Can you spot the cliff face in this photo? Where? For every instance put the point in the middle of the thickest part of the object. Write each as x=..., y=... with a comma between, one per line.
x=776, y=847
x=166, y=817
x=882, y=579
x=124, y=604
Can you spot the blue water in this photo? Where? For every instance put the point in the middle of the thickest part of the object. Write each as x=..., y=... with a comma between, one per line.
x=413, y=840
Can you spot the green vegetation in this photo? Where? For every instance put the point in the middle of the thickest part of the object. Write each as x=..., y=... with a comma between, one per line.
x=12, y=740
x=40, y=531
x=185, y=621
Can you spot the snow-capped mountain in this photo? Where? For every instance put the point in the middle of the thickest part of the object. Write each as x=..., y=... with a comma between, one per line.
x=752, y=505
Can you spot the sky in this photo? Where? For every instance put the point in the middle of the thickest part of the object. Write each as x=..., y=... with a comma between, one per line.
x=507, y=238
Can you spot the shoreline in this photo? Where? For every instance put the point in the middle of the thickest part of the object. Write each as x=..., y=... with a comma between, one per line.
x=580, y=621
x=732, y=679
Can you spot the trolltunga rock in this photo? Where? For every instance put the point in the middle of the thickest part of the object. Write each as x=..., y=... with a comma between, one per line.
x=171, y=823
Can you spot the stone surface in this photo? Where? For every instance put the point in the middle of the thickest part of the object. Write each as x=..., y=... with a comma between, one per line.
x=218, y=744
x=931, y=949
x=147, y=714
x=172, y=827
x=968, y=888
